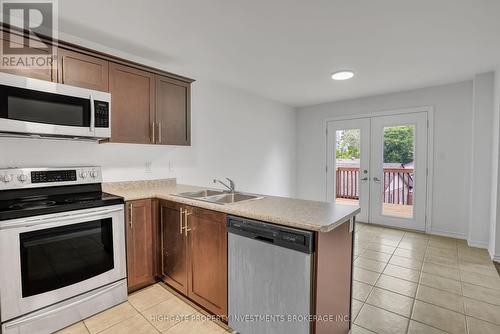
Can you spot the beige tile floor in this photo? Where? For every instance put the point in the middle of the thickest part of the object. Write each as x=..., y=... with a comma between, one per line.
x=150, y=310
x=404, y=282
x=407, y=282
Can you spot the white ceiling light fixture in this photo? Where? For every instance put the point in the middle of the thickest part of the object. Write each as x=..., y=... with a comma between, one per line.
x=342, y=75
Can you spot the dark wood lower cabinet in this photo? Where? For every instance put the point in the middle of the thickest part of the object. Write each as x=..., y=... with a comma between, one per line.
x=194, y=254
x=207, y=273
x=140, y=245
x=173, y=246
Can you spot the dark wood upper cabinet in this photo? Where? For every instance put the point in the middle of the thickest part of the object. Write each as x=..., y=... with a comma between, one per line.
x=140, y=245
x=148, y=106
x=132, y=104
x=47, y=74
x=81, y=70
x=173, y=246
x=173, y=112
x=208, y=259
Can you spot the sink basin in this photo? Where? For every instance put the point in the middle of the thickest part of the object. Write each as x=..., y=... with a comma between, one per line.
x=230, y=198
x=218, y=197
x=202, y=193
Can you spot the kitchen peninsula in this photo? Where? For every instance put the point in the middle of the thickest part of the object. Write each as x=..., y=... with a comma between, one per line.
x=182, y=240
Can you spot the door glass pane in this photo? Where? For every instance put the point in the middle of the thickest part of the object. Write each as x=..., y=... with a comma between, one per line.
x=347, y=163
x=399, y=173
x=60, y=256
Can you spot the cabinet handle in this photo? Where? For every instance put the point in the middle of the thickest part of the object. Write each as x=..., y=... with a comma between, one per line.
x=162, y=242
x=159, y=132
x=186, y=229
x=181, y=217
x=153, y=132
x=131, y=213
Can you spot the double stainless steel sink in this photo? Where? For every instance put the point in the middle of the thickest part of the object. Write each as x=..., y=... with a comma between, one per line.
x=219, y=197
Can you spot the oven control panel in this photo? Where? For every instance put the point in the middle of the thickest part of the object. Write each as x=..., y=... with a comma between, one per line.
x=17, y=178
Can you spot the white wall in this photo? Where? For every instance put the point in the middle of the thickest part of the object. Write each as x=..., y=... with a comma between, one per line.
x=481, y=160
x=494, y=247
x=234, y=134
x=452, y=147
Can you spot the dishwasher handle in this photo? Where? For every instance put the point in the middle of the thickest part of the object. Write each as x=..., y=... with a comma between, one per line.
x=262, y=238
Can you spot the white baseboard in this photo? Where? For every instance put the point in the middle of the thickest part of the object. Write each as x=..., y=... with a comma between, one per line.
x=496, y=258
x=449, y=234
x=478, y=244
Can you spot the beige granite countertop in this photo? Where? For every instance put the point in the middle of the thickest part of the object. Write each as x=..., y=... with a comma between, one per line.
x=304, y=214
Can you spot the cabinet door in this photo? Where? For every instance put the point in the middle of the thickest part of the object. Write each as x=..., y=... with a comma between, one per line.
x=173, y=114
x=35, y=73
x=174, y=246
x=132, y=104
x=80, y=70
x=140, y=250
x=208, y=259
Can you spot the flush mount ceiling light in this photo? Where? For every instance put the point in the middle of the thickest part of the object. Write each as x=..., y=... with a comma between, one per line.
x=342, y=75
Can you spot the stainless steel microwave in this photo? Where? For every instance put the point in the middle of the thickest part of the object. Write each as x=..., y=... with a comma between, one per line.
x=38, y=108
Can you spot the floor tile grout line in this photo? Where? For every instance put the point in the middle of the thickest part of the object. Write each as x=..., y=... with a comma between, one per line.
x=462, y=314
x=416, y=292
x=115, y=322
x=144, y=316
x=366, y=329
x=465, y=311
x=88, y=330
x=423, y=323
x=487, y=321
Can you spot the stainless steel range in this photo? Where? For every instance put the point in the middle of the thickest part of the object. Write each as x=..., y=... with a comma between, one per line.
x=62, y=248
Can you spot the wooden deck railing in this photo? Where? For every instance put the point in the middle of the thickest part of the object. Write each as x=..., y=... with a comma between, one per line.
x=398, y=184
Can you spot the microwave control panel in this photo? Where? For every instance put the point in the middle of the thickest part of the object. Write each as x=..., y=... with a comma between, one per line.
x=101, y=110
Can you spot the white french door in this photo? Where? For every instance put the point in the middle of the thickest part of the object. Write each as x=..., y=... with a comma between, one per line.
x=380, y=164
x=349, y=165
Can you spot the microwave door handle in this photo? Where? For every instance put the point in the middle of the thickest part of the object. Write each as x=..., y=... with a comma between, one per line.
x=92, y=114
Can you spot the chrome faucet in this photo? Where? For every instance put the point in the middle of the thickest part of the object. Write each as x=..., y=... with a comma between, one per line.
x=231, y=185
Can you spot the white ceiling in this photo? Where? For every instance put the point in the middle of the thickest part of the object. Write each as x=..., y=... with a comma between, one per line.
x=286, y=49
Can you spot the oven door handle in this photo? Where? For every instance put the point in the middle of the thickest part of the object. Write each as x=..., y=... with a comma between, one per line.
x=29, y=319
x=49, y=221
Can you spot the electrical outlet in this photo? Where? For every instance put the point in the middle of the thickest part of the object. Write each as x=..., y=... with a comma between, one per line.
x=148, y=167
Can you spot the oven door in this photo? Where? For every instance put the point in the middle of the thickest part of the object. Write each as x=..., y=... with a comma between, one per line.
x=47, y=259
x=37, y=107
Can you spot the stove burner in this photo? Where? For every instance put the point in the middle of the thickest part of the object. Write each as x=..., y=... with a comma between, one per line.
x=32, y=205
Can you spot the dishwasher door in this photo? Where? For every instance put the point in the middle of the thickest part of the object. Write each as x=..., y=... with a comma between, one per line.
x=270, y=284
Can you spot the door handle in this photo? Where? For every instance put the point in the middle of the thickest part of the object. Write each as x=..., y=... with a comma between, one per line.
x=364, y=179
x=376, y=179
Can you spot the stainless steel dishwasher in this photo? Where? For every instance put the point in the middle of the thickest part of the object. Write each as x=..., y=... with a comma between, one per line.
x=270, y=279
